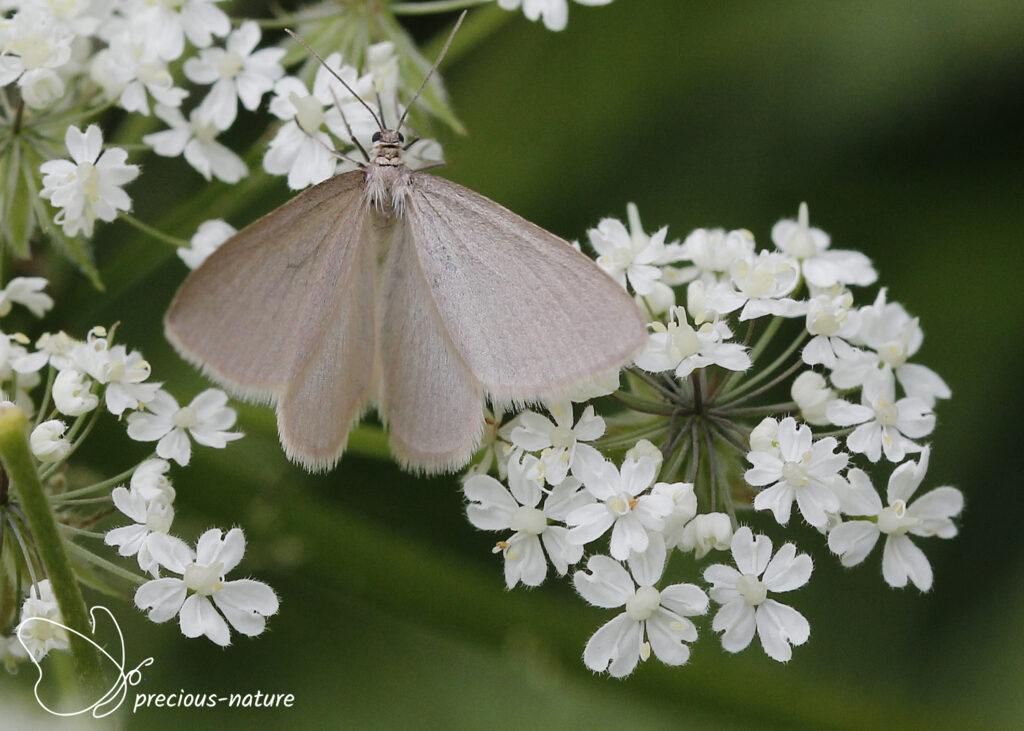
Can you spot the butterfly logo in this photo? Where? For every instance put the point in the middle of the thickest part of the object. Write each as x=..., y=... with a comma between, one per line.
x=115, y=695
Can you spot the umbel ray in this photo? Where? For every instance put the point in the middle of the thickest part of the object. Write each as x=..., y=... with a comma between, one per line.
x=403, y=291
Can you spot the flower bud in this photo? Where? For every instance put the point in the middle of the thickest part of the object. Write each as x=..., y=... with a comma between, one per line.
x=813, y=396
x=764, y=436
x=47, y=441
x=707, y=531
x=72, y=395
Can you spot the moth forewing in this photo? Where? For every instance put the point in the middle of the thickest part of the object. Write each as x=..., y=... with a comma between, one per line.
x=241, y=314
x=532, y=317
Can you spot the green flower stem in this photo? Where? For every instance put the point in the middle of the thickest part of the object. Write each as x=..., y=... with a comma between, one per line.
x=41, y=412
x=695, y=455
x=86, y=501
x=105, y=485
x=74, y=531
x=17, y=460
x=773, y=327
x=772, y=367
x=154, y=232
x=747, y=395
x=676, y=451
x=628, y=439
x=89, y=422
x=769, y=409
x=766, y=338
x=109, y=566
x=290, y=21
x=731, y=434
x=430, y=7
x=653, y=382
x=641, y=404
x=63, y=119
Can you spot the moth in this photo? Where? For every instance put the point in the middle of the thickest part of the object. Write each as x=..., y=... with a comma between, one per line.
x=403, y=291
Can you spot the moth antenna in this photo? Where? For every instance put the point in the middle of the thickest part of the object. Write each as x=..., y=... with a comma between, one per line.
x=440, y=58
x=380, y=105
x=344, y=121
x=341, y=155
x=323, y=63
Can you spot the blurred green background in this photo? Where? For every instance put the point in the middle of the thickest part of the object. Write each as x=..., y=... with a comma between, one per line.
x=901, y=126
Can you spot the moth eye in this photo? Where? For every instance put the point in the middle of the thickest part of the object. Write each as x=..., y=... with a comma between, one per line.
x=401, y=138
x=376, y=137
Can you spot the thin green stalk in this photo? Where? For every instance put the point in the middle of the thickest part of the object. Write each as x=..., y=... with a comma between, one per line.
x=86, y=500
x=108, y=566
x=652, y=382
x=677, y=458
x=154, y=232
x=766, y=387
x=771, y=368
x=289, y=21
x=433, y=6
x=89, y=424
x=766, y=337
x=712, y=471
x=99, y=486
x=729, y=433
x=41, y=413
x=628, y=439
x=768, y=409
x=695, y=459
x=72, y=530
x=78, y=425
x=674, y=464
x=762, y=343
x=28, y=556
x=643, y=405
x=20, y=465
x=65, y=118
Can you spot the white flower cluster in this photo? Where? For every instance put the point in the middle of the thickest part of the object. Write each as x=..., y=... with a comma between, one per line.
x=56, y=54
x=556, y=497
x=318, y=120
x=89, y=186
x=94, y=371
x=86, y=379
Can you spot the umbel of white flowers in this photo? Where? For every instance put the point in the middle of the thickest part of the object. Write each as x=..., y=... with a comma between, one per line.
x=558, y=492
x=86, y=380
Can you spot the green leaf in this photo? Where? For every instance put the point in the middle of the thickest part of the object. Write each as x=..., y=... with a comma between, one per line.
x=20, y=223
x=17, y=208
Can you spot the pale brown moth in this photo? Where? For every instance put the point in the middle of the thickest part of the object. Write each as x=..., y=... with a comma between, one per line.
x=403, y=291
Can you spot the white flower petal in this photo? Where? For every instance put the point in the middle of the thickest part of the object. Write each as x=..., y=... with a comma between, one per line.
x=162, y=597
x=902, y=560
x=607, y=585
x=615, y=644
x=787, y=570
x=852, y=541
x=778, y=626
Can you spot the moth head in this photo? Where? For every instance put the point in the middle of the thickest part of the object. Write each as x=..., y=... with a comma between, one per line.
x=387, y=138
x=387, y=147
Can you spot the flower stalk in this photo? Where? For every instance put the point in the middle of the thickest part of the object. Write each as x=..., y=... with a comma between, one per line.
x=28, y=489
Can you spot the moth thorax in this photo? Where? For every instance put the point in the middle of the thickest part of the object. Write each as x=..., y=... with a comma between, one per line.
x=387, y=187
x=387, y=147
